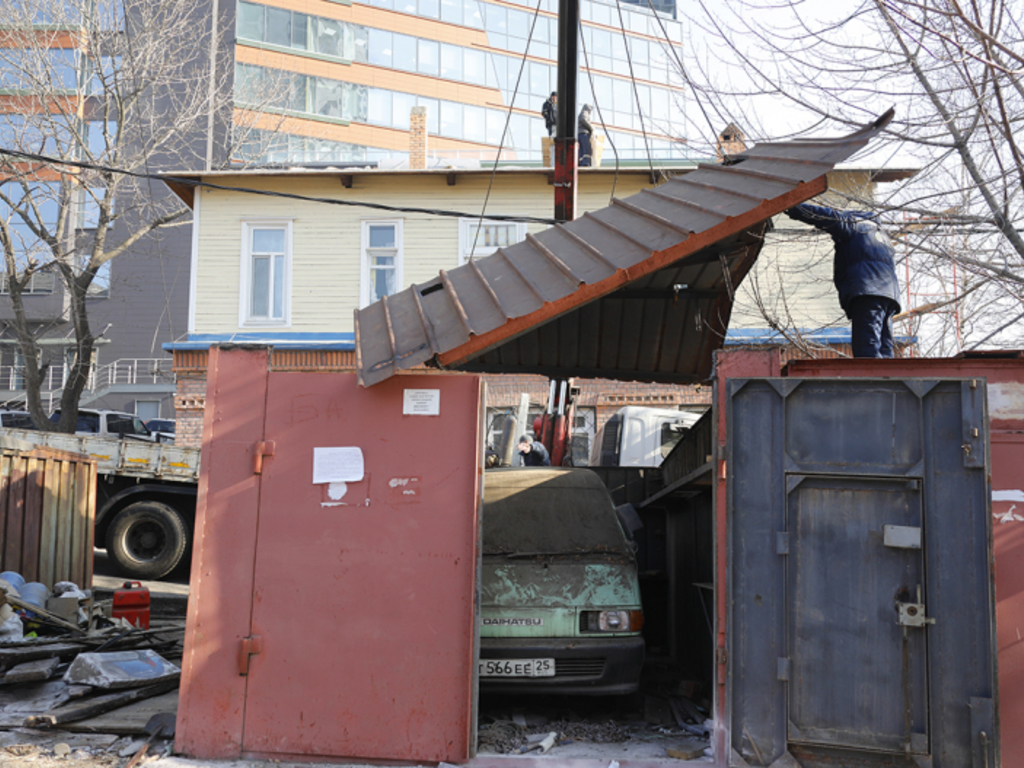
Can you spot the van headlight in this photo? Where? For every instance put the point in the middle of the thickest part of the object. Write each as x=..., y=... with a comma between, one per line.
x=611, y=621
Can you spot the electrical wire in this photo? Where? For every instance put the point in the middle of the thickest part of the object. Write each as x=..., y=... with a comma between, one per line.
x=636, y=93
x=600, y=114
x=682, y=70
x=504, y=132
x=194, y=183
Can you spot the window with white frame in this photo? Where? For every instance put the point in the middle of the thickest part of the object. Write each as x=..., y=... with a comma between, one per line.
x=382, y=259
x=482, y=238
x=266, y=267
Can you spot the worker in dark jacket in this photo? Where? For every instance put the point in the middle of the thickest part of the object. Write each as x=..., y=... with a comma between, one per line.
x=534, y=454
x=550, y=113
x=585, y=132
x=863, y=272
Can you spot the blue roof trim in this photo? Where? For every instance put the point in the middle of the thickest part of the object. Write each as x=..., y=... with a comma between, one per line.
x=737, y=336
x=289, y=339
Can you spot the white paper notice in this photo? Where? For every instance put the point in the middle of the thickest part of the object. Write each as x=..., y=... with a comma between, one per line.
x=337, y=465
x=422, y=402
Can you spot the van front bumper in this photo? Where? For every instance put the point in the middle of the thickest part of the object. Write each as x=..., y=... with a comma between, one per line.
x=599, y=666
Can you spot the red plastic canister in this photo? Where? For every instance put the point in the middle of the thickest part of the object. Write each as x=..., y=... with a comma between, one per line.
x=131, y=603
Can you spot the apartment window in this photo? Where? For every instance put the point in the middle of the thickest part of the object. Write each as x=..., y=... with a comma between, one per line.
x=266, y=264
x=382, y=259
x=484, y=238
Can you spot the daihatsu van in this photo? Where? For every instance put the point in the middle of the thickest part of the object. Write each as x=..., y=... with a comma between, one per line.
x=560, y=597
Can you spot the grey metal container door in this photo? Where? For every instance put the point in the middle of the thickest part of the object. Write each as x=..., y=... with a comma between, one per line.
x=858, y=511
x=844, y=589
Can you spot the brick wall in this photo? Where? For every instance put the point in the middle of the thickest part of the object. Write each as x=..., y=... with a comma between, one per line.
x=189, y=402
x=418, y=138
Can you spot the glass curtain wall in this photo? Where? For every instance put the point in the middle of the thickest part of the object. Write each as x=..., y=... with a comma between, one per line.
x=626, y=111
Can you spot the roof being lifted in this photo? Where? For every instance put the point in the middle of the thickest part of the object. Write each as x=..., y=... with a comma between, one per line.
x=640, y=290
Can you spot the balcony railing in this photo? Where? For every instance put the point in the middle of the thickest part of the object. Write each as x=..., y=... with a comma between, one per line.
x=130, y=371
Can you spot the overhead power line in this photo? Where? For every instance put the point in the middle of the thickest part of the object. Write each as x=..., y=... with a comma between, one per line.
x=268, y=193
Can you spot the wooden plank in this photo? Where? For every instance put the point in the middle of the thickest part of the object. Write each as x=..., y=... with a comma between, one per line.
x=15, y=515
x=10, y=657
x=130, y=720
x=80, y=535
x=97, y=705
x=48, y=529
x=90, y=523
x=5, y=487
x=32, y=519
x=31, y=671
x=64, y=517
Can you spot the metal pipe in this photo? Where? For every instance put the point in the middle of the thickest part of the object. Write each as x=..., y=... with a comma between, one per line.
x=566, y=175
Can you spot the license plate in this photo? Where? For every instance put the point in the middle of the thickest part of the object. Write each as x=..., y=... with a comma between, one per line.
x=517, y=668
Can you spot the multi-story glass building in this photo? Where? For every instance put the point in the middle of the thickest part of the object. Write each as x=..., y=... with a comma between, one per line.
x=336, y=81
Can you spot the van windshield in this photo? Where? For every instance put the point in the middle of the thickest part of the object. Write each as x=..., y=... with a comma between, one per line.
x=536, y=512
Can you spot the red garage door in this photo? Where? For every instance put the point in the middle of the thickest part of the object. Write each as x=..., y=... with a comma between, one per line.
x=333, y=584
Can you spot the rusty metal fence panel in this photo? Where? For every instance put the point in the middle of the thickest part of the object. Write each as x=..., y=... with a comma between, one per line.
x=47, y=508
x=861, y=620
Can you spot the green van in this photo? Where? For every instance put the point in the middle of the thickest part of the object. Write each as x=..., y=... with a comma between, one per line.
x=560, y=598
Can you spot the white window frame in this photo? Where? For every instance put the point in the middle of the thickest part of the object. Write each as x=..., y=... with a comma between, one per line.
x=245, y=318
x=364, y=256
x=467, y=226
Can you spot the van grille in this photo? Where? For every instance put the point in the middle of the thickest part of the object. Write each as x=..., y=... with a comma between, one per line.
x=579, y=667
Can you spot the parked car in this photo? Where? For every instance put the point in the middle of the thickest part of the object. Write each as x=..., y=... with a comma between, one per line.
x=115, y=424
x=163, y=429
x=16, y=420
x=560, y=596
x=637, y=436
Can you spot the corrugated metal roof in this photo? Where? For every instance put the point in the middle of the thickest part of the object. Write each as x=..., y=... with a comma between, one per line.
x=640, y=290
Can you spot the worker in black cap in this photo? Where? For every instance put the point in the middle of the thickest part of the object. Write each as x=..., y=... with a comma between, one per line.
x=550, y=113
x=534, y=454
x=863, y=272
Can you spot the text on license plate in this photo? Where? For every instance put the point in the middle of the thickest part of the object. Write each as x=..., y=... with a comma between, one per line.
x=517, y=668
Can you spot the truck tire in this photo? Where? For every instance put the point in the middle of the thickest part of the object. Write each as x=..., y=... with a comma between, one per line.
x=147, y=539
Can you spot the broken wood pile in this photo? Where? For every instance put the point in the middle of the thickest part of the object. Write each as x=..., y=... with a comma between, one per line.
x=88, y=674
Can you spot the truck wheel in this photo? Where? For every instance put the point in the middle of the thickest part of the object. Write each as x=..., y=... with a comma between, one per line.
x=147, y=539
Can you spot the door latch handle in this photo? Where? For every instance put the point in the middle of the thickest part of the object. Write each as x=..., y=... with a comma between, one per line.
x=251, y=646
x=263, y=448
x=912, y=615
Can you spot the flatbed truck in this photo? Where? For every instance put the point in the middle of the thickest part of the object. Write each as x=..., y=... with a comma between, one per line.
x=145, y=496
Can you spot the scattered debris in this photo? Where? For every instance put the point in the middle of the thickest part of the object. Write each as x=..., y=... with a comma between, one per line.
x=120, y=669
x=687, y=752
x=61, y=749
x=31, y=671
x=500, y=737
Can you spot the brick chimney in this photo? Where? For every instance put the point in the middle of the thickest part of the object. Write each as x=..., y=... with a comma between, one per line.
x=418, y=138
x=730, y=141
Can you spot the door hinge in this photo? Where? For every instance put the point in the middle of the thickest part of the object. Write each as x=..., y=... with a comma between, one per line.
x=782, y=542
x=251, y=646
x=722, y=656
x=262, y=448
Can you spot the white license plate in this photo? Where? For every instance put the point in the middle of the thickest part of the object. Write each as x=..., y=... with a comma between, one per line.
x=517, y=668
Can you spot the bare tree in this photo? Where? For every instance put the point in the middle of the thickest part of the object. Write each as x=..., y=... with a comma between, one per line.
x=118, y=86
x=953, y=70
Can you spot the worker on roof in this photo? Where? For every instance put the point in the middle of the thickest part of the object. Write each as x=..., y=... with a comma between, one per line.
x=585, y=136
x=550, y=113
x=863, y=272
x=533, y=454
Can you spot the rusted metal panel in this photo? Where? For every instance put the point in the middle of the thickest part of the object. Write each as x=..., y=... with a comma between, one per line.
x=829, y=647
x=33, y=503
x=212, y=697
x=333, y=620
x=1003, y=375
x=643, y=288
